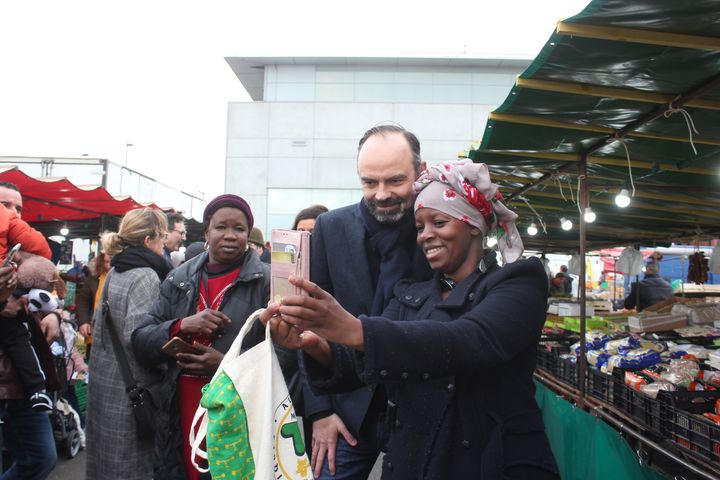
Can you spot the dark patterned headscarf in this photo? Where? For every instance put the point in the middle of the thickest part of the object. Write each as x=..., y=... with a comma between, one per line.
x=463, y=190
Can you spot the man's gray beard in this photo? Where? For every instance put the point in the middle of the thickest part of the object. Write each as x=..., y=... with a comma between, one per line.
x=389, y=218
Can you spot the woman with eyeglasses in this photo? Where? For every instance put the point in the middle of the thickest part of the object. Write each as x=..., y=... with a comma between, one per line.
x=132, y=285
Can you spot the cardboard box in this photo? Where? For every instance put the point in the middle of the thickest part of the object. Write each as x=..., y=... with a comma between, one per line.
x=666, y=305
x=656, y=323
x=567, y=309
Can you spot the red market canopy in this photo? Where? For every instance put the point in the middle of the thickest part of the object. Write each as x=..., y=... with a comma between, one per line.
x=58, y=199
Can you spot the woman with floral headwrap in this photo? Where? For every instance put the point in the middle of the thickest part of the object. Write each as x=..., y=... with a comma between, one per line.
x=456, y=353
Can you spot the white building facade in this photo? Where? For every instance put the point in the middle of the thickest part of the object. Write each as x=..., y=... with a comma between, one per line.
x=295, y=144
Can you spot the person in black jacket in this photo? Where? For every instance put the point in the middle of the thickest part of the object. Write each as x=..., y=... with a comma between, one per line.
x=204, y=301
x=358, y=253
x=455, y=353
x=653, y=289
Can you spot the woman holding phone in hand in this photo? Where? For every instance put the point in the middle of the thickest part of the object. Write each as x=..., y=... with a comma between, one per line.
x=204, y=302
x=456, y=353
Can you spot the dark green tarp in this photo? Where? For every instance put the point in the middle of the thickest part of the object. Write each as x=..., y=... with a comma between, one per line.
x=585, y=447
x=614, y=76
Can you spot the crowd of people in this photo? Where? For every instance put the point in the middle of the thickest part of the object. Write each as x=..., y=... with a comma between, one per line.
x=410, y=340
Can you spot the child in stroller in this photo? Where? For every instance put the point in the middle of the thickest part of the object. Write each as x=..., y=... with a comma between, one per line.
x=65, y=416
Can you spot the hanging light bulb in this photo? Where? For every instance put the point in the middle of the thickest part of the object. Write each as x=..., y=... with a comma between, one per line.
x=589, y=215
x=532, y=230
x=622, y=199
x=565, y=223
x=491, y=242
x=64, y=231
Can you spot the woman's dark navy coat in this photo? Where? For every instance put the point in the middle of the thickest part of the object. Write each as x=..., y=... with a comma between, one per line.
x=460, y=372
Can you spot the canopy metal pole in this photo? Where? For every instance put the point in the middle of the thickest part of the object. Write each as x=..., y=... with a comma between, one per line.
x=582, y=204
x=614, y=282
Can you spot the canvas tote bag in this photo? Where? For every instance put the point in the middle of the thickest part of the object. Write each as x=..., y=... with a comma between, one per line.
x=247, y=419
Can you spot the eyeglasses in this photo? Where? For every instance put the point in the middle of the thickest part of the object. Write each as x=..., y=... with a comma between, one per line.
x=181, y=232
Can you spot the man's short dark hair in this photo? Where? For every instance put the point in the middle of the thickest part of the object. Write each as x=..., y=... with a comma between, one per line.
x=10, y=185
x=173, y=218
x=410, y=137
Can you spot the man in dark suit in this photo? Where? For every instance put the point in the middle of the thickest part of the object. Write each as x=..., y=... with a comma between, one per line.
x=358, y=253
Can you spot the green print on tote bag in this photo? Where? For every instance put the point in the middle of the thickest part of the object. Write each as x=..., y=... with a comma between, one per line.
x=227, y=440
x=247, y=419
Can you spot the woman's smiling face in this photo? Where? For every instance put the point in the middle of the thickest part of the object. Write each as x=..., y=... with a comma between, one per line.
x=227, y=235
x=452, y=247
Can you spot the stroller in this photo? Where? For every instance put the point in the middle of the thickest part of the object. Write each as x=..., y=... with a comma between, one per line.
x=65, y=420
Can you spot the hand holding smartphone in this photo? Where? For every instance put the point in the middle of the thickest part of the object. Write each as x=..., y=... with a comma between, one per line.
x=178, y=345
x=290, y=256
x=11, y=254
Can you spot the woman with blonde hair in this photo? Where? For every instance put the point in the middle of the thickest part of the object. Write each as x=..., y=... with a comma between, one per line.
x=132, y=285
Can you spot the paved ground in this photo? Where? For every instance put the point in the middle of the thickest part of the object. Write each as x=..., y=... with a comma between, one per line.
x=69, y=469
x=74, y=469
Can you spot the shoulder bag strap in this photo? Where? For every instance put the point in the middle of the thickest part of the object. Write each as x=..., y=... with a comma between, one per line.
x=130, y=384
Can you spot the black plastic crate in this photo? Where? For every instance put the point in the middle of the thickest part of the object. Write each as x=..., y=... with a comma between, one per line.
x=568, y=371
x=546, y=360
x=548, y=356
x=693, y=402
x=599, y=385
x=693, y=432
x=643, y=409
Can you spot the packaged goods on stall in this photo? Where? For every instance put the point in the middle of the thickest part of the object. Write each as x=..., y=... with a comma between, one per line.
x=573, y=323
x=714, y=359
x=633, y=359
x=648, y=322
x=697, y=351
x=680, y=372
x=572, y=309
x=696, y=331
x=698, y=313
x=594, y=339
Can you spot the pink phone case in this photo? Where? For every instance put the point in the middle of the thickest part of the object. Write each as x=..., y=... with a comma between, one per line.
x=290, y=255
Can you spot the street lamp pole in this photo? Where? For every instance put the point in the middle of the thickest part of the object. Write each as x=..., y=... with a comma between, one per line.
x=127, y=146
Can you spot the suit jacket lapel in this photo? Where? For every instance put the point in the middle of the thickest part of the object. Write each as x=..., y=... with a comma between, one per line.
x=355, y=241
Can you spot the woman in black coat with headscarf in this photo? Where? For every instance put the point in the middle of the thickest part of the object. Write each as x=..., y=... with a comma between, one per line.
x=456, y=353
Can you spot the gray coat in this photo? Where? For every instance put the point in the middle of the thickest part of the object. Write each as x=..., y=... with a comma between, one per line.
x=113, y=451
x=178, y=298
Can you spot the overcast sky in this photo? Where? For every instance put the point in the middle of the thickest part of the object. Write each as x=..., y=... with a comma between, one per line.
x=88, y=77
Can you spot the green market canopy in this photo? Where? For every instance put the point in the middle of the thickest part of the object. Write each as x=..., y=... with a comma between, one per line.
x=612, y=100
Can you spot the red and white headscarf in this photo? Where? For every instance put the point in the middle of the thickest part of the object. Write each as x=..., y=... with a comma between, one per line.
x=463, y=190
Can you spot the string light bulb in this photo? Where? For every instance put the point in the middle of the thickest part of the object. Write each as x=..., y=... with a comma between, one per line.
x=532, y=230
x=589, y=215
x=622, y=199
x=64, y=231
x=565, y=223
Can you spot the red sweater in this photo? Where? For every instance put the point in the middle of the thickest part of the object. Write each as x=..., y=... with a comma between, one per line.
x=13, y=230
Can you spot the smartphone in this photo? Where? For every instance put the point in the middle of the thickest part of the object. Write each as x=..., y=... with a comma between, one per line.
x=11, y=254
x=290, y=255
x=178, y=345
